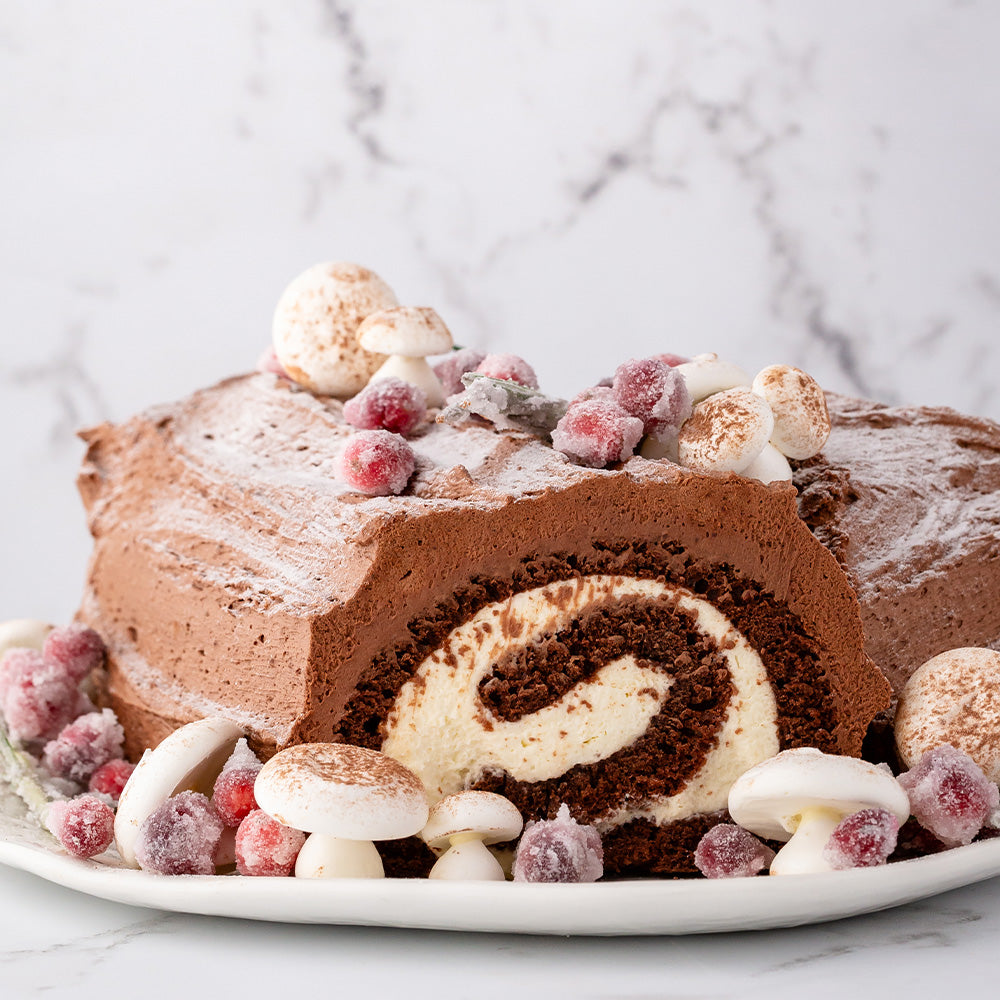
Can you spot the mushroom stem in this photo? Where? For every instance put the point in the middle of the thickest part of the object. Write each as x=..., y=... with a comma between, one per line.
x=323, y=856
x=804, y=851
x=417, y=372
x=468, y=858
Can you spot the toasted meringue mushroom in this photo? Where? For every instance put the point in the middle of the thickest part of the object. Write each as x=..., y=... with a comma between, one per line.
x=801, y=418
x=23, y=633
x=725, y=432
x=706, y=374
x=189, y=758
x=462, y=825
x=409, y=335
x=953, y=698
x=801, y=795
x=346, y=797
x=770, y=466
x=316, y=327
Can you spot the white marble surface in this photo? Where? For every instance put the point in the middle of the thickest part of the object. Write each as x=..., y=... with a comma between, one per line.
x=575, y=181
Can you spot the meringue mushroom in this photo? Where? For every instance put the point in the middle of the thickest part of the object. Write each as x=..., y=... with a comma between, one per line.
x=801, y=417
x=190, y=758
x=769, y=466
x=316, y=326
x=725, y=432
x=463, y=825
x=345, y=797
x=409, y=335
x=801, y=795
x=706, y=374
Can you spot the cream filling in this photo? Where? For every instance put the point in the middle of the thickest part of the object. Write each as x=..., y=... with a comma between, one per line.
x=440, y=728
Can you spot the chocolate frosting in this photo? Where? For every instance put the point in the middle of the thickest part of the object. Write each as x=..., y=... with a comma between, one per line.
x=233, y=574
x=908, y=499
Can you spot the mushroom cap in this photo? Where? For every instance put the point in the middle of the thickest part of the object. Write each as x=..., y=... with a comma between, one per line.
x=726, y=431
x=316, y=325
x=343, y=791
x=493, y=817
x=707, y=374
x=953, y=698
x=768, y=799
x=413, y=331
x=801, y=417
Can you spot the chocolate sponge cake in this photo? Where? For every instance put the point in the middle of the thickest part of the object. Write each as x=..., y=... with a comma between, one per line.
x=627, y=640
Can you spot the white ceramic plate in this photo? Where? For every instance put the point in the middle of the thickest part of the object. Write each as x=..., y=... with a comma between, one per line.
x=687, y=906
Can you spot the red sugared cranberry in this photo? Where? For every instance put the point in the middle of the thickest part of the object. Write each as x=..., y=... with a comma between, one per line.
x=85, y=826
x=450, y=369
x=652, y=391
x=509, y=367
x=378, y=463
x=864, y=839
x=110, y=778
x=950, y=795
x=84, y=745
x=265, y=847
x=76, y=648
x=389, y=404
x=596, y=432
x=729, y=851
x=180, y=837
x=559, y=850
x=233, y=796
x=39, y=697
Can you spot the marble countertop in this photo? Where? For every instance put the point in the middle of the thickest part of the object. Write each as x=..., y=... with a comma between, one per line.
x=575, y=181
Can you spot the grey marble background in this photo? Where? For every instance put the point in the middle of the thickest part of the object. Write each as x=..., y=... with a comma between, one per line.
x=577, y=181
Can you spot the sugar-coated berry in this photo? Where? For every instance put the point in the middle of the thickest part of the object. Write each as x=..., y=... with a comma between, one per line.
x=605, y=392
x=451, y=368
x=233, y=796
x=672, y=359
x=596, y=432
x=378, y=463
x=510, y=368
x=76, y=648
x=84, y=745
x=389, y=404
x=39, y=697
x=864, y=839
x=559, y=850
x=729, y=851
x=180, y=837
x=85, y=826
x=949, y=795
x=265, y=847
x=655, y=393
x=110, y=778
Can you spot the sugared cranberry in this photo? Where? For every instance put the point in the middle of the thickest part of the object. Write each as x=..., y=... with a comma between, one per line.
x=39, y=697
x=85, y=826
x=596, y=432
x=265, y=847
x=110, y=778
x=655, y=393
x=729, y=851
x=76, y=648
x=510, y=368
x=862, y=840
x=233, y=796
x=673, y=360
x=378, y=463
x=604, y=392
x=84, y=745
x=949, y=795
x=389, y=404
x=450, y=369
x=180, y=837
x=559, y=850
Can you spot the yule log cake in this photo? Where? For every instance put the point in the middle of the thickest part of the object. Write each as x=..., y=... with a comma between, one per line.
x=625, y=640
